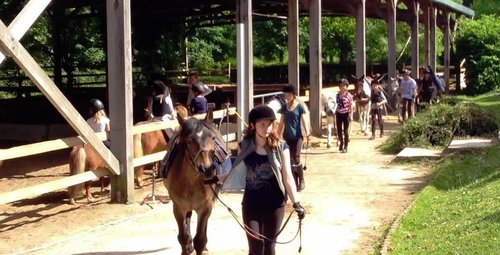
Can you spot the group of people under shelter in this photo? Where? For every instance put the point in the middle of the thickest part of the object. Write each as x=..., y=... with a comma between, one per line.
x=270, y=151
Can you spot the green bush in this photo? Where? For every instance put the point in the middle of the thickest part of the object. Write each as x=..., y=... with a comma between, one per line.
x=437, y=125
x=478, y=41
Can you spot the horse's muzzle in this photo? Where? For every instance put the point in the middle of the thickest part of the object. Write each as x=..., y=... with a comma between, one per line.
x=207, y=171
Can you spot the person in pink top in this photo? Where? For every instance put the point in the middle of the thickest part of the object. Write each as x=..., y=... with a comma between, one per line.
x=344, y=108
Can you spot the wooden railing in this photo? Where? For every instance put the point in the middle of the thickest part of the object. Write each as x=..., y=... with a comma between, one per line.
x=64, y=143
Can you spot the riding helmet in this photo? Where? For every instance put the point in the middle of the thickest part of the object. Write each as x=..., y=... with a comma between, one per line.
x=290, y=89
x=198, y=88
x=261, y=112
x=344, y=81
x=96, y=105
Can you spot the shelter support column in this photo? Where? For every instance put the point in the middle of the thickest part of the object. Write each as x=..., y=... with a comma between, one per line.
x=361, y=39
x=315, y=66
x=415, y=53
x=293, y=44
x=391, y=23
x=120, y=103
x=426, y=35
x=447, y=43
x=244, y=48
x=432, y=30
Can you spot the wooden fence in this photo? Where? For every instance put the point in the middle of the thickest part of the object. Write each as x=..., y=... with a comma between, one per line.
x=63, y=143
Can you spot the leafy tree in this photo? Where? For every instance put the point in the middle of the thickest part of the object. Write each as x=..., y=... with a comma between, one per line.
x=478, y=41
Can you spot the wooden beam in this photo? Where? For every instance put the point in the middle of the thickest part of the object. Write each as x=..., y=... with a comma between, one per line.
x=415, y=42
x=37, y=190
x=391, y=27
x=432, y=29
x=12, y=47
x=447, y=42
x=244, y=57
x=42, y=147
x=119, y=50
x=293, y=44
x=361, y=39
x=315, y=66
x=149, y=158
x=25, y=19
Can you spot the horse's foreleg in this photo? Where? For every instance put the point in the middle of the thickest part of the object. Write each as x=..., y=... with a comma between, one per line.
x=90, y=198
x=200, y=239
x=184, y=236
x=329, y=127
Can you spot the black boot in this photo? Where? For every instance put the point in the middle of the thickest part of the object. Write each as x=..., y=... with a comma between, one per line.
x=299, y=172
x=345, y=147
x=381, y=131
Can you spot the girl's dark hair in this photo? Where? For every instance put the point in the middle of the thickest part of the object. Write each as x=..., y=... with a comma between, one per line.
x=272, y=140
x=375, y=81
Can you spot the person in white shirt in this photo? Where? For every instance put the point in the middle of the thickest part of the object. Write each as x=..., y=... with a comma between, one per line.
x=408, y=92
x=98, y=120
x=194, y=83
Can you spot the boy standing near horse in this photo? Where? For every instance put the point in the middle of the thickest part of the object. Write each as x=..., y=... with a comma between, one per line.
x=408, y=91
x=194, y=82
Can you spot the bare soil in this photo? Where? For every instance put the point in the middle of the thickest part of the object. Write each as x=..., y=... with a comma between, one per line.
x=350, y=199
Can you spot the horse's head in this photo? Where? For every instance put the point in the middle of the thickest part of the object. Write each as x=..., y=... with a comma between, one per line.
x=199, y=139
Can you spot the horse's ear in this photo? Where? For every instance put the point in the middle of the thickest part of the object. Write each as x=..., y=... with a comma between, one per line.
x=210, y=116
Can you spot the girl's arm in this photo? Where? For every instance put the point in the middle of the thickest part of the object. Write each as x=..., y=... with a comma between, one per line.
x=281, y=126
x=286, y=171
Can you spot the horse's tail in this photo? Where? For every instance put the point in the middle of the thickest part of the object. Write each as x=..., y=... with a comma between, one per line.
x=77, y=159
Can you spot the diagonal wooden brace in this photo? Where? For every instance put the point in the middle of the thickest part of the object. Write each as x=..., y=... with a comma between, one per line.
x=12, y=47
x=25, y=19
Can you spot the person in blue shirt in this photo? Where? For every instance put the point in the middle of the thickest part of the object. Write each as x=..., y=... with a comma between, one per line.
x=291, y=126
x=199, y=104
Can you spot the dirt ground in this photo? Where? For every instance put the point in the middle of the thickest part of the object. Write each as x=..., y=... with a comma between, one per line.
x=350, y=199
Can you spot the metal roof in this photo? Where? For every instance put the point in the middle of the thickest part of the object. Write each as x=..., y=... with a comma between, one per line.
x=456, y=7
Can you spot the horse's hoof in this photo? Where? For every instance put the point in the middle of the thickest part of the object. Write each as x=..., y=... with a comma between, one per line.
x=72, y=201
x=90, y=199
x=328, y=146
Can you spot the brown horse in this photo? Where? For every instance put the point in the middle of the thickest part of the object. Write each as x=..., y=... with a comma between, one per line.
x=152, y=142
x=84, y=158
x=187, y=165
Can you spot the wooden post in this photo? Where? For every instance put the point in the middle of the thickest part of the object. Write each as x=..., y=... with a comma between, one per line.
x=120, y=100
x=447, y=43
x=315, y=66
x=415, y=54
x=391, y=27
x=432, y=30
x=245, y=60
x=10, y=46
x=426, y=35
x=293, y=44
x=25, y=19
x=361, y=39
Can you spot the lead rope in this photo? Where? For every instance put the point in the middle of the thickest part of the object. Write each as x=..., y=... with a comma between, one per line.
x=258, y=236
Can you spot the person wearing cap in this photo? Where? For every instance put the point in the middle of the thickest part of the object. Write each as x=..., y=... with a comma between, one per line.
x=194, y=82
x=408, y=91
x=427, y=87
x=199, y=104
x=343, y=118
x=262, y=168
x=160, y=105
x=293, y=121
x=98, y=120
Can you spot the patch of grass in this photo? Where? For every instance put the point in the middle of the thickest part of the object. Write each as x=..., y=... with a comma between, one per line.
x=490, y=101
x=459, y=212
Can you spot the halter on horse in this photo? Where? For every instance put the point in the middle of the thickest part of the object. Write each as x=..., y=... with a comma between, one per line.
x=194, y=155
